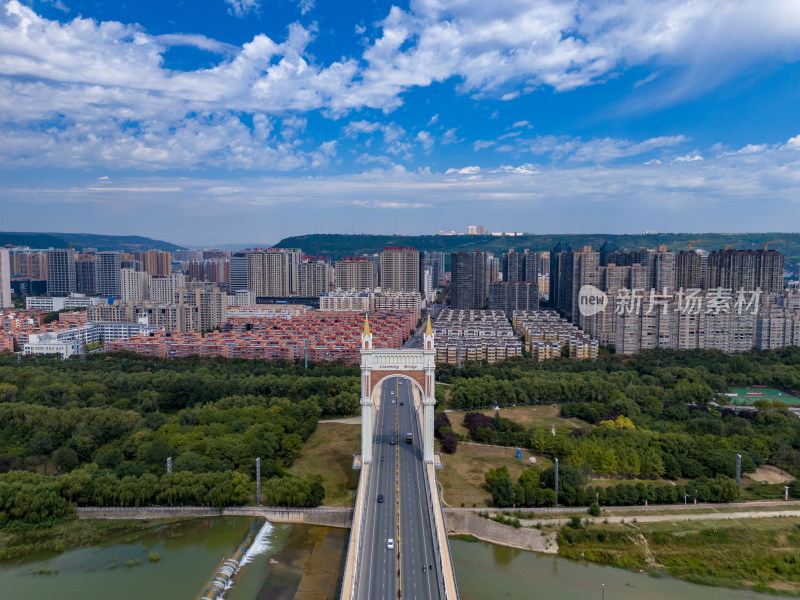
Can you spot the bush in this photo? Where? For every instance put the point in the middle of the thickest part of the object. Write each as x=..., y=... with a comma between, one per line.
x=449, y=442
x=154, y=557
x=594, y=509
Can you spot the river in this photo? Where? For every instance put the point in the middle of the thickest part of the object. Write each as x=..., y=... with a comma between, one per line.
x=190, y=553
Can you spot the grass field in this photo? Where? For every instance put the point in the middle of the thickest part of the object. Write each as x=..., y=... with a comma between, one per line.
x=462, y=478
x=748, y=395
x=541, y=417
x=763, y=554
x=329, y=454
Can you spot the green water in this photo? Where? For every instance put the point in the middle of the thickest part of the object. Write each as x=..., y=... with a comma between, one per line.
x=488, y=572
x=190, y=553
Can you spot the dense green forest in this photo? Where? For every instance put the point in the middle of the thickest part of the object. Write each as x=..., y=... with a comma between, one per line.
x=99, y=431
x=126, y=243
x=660, y=415
x=339, y=245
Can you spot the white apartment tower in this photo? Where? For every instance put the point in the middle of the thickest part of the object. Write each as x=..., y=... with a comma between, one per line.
x=135, y=285
x=5, y=279
x=166, y=289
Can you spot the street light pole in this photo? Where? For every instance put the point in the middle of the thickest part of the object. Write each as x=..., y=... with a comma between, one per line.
x=603, y=585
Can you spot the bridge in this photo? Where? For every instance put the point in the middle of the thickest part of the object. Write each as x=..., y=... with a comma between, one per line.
x=398, y=543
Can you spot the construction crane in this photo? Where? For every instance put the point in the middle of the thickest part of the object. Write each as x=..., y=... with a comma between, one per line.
x=773, y=242
x=689, y=244
x=731, y=245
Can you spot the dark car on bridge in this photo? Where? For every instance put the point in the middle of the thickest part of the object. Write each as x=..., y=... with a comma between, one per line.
x=380, y=497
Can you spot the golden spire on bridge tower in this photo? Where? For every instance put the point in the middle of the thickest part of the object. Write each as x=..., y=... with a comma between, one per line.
x=428, y=327
x=366, y=337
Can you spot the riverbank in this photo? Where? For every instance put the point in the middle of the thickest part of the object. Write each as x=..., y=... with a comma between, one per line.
x=758, y=551
x=309, y=566
x=69, y=535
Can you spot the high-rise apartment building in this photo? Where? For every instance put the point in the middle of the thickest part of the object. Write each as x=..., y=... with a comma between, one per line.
x=208, y=300
x=520, y=266
x=437, y=261
x=586, y=271
x=511, y=296
x=107, y=268
x=135, y=285
x=399, y=269
x=746, y=269
x=560, y=270
x=691, y=270
x=663, y=269
x=492, y=268
x=60, y=271
x=469, y=288
x=314, y=277
x=157, y=263
x=5, y=279
x=188, y=255
x=273, y=272
x=166, y=289
x=355, y=273
x=31, y=265
x=238, y=271
x=86, y=274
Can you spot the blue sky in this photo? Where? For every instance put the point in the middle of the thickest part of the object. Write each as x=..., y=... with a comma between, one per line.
x=224, y=121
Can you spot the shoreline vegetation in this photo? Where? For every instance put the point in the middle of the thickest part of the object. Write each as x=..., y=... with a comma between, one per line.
x=71, y=535
x=757, y=553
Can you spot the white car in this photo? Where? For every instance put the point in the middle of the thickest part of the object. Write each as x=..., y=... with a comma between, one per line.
x=390, y=544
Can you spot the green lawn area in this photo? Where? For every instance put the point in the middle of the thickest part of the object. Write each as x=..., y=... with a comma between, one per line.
x=329, y=454
x=541, y=416
x=760, y=553
x=462, y=478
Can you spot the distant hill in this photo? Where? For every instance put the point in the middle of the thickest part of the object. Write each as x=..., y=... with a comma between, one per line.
x=126, y=243
x=338, y=245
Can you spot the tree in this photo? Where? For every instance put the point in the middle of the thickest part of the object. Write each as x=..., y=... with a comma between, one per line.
x=503, y=491
x=492, y=475
x=189, y=461
x=41, y=443
x=157, y=452
x=66, y=458
x=450, y=442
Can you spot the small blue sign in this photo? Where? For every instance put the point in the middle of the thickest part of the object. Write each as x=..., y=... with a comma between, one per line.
x=519, y=453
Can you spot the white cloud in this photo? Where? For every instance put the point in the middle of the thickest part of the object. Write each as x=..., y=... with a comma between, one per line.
x=102, y=89
x=597, y=150
x=491, y=47
x=481, y=144
x=464, y=171
x=433, y=120
x=691, y=157
x=718, y=191
x=305, y=6
x=426, y=140
x=242, y=7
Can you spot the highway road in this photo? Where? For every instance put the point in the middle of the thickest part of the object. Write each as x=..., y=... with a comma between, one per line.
x=396, y=466
x=415, y=341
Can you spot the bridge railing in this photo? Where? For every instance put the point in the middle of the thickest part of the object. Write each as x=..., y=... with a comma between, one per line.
x=432, y=519
x=447, y=539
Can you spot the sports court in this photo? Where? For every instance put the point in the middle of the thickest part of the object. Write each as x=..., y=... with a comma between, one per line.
x=748, y=395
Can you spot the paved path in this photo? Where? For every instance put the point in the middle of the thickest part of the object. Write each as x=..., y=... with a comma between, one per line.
x=345, y=420
x=679, y=517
